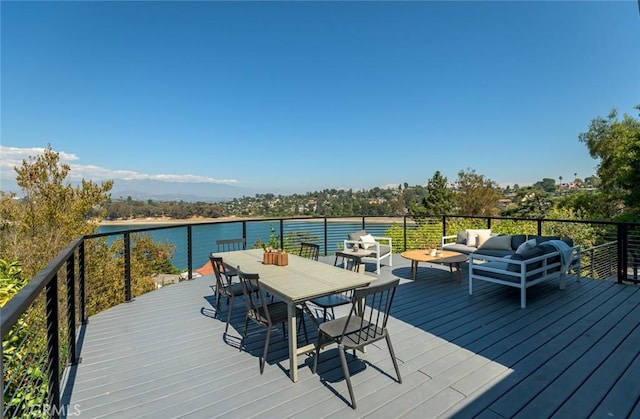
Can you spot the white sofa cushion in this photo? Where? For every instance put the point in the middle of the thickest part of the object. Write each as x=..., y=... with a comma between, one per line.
x=497, y=243
x=477, y=236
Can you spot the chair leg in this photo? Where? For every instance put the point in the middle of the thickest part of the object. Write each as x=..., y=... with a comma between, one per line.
x=244, y=334
x=393, y=358
x=218, y=298
x=347, y=377
x=229, y=308
x=266, y=350
x=304, y=328
x=315, y=358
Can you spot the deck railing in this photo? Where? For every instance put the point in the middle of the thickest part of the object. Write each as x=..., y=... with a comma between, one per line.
x=42, y=326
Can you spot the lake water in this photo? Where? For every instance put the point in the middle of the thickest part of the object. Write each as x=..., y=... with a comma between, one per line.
x=205, y=236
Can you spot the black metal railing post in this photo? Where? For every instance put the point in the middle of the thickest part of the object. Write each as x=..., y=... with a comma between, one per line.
x=281, y=233
x=539, y=227
x=53, y=361
x=326, y=236
x=189, y=253
x=623, y=248
x=81, y=283
x=489, y=223
x=244, y=233
x=72, y=358
x=127, y=266
x=444, y=225
x=404, y=232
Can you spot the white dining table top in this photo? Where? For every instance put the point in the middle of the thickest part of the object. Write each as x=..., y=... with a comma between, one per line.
x=301, y=280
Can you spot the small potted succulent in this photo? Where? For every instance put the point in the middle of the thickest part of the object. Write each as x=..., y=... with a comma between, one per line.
x=433, y=248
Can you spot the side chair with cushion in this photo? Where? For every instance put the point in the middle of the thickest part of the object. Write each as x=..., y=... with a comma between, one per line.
x=365, y=324
x=380, y=247
x=335, y=300
x=229, y=245
x=224, y=287
x=309, y=250
x=261, y=312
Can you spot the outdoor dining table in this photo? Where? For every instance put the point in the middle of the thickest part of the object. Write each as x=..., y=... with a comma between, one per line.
x=299, y=281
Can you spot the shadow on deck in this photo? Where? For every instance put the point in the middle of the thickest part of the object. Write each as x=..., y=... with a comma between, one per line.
x=570, y=353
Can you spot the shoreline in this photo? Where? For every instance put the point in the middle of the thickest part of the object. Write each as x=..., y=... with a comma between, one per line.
x=166, y=221
x=196, y=220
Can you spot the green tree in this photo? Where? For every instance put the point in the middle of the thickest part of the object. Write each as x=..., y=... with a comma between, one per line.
x=476, y=195
x=590, y=206
x=51, y=214
x=530, y=202
x=22, y=352
x=438, y=198
x=616, y=143
x=546, y=184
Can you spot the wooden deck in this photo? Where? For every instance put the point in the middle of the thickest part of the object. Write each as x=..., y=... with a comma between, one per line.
x=570, y=353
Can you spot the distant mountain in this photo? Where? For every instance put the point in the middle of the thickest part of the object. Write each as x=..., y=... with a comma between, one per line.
x=173, y=191
x=142, y=190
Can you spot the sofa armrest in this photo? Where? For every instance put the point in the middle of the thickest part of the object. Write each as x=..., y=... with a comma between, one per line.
x=383, y=240
x=522, y=270
x=448, y=240
x=379, y=240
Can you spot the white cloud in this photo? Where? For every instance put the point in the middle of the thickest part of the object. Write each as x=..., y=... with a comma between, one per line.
x=11, y=157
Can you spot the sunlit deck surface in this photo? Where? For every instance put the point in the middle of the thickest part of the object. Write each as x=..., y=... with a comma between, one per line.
x=570, y=353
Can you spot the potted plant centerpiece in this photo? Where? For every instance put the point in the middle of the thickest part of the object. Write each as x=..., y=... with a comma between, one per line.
x=273, y=255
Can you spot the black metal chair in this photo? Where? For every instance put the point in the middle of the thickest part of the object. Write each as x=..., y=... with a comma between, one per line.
x=263, y=313
x=335, y=300
x=229, y=245
x=309, y=250
x=224, y=287
x=365, y=324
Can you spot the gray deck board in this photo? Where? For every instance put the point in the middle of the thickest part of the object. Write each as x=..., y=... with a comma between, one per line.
x=570, y=353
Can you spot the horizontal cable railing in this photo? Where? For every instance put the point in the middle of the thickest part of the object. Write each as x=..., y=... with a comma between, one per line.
x=40, y=325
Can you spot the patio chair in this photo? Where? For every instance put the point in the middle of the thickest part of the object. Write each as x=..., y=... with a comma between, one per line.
x=262, y=313
x=364, y=325
x=350, y=262
x=224, y=287
x=309, y=250
x=229, y=245
x=379, y=247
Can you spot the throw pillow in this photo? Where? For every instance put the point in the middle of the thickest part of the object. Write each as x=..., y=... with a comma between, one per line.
x=462, y=237
x=529, y=254
x=472, y=236
x=497, y=243
x=356, y=235
x=483, y=236
x=368, y=241
x=526, y=246
x=517, y=240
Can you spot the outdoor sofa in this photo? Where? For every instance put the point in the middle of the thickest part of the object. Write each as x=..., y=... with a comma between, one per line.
x=486, y=242
x=536, y=260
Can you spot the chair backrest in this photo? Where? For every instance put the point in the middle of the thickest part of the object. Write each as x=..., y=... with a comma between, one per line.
x=254, y=298
x=309, y=250
x=372, y=321
x=349, y=262
x=222, y=280
x=228, y=245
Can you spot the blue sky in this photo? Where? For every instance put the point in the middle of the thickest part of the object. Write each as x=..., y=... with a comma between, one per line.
x=291, y=97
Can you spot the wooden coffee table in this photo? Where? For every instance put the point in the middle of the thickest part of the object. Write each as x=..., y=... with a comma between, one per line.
x=444, y=256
